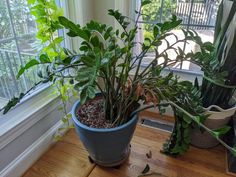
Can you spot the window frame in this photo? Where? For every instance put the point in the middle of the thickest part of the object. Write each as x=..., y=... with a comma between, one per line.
x=66, y=43
x=11, y=120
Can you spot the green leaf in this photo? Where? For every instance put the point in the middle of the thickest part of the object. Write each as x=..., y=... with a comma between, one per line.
x=233, y=150
x=64, y=120
x=87, y=60
x=28, y=65
x=83, y=96
x=155, y=31
x=31, y=1
x=75, y=30
x=58, y=40
x=197, y=119
x=220, y=131
x=67, y=23
x=86, y=73
x=44, y=58
x=31, y=63
x=69, y=116
x=20, y=72
x=208, y=46
x=80, y=85
x=146, y=169
x=91, y=92
x=145, y=2
x=58, y=138
x=72, y=34
x=187, y=119
x=60, y=109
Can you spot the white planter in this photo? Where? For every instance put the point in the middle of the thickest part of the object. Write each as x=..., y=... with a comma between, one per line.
x=216, y=120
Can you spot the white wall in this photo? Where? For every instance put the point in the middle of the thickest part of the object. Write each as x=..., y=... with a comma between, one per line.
x=101, y=8
x=80, y=12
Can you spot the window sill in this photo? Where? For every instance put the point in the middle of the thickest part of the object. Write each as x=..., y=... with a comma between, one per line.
x=25, y=115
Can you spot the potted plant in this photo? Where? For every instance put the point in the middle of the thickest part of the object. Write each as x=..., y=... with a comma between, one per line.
x=230, y=138
x=216, y=90
x=109, y=78
x=219, y=83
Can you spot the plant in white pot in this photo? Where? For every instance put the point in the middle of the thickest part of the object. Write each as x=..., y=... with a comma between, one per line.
x=105, y=117
x=217, y=89
x=218, y=64
x=219, y=81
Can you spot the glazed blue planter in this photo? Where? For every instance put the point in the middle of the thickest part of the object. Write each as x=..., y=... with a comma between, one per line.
x=106, y=147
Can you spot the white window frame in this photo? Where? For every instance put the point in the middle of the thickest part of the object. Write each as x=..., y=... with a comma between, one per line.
x=34, y=107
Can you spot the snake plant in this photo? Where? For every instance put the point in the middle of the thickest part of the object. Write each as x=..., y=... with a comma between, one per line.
x=220, y=92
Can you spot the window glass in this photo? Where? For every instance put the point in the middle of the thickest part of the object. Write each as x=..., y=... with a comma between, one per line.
x=5, y=26
x=17, y=39
x=198, y=15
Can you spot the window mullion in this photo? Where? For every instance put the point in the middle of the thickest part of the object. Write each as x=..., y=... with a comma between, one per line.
x=15, y=38
x=188, y=25
x=161, y=10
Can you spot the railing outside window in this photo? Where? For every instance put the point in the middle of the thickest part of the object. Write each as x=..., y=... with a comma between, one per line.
x=199, y=15
x=18, y=45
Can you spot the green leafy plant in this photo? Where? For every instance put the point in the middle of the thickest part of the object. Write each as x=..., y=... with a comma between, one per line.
x=219, y=82
x=105, y=54
x=217, y=61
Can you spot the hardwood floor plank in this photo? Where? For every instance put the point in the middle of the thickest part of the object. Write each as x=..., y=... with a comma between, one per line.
x=68, y=158
x=195, y=163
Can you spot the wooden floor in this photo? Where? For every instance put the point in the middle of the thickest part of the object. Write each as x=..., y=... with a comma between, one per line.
x=68, y=158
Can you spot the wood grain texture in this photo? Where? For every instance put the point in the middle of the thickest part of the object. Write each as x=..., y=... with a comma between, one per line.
x=68, y=158
x=156, y=116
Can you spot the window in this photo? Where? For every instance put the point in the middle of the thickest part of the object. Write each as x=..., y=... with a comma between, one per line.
x=18, y=45
x=199, y=15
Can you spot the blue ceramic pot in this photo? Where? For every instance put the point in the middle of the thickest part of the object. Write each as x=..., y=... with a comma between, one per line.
x=106, y=147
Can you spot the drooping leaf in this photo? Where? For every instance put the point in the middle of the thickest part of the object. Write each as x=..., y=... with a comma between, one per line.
x=91, y=92
x=28, y=65
x=75, y=30
x=83, y=96
x=31, y=63
x=20, y=72
x=146, y=169
x=220, y=131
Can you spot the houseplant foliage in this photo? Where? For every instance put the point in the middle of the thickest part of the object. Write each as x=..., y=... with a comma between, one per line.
x=218, y=86
x=106, y=54
x=223, y=60
x=102, y=57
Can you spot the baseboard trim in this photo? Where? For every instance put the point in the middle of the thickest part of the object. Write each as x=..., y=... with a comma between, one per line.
x=26, y=159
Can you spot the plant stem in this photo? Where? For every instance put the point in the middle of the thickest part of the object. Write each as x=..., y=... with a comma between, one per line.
x=150, y=174
x=189, y=115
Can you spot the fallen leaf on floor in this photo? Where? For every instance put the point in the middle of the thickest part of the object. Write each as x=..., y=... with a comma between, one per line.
x=149, y=154
x=150, y=174
x=146, y=169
